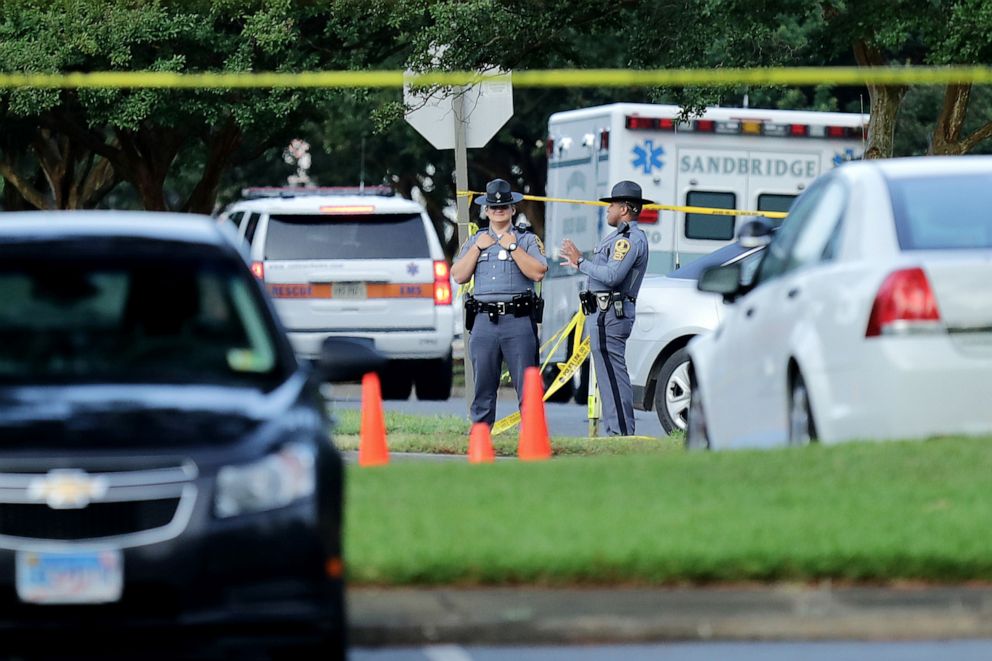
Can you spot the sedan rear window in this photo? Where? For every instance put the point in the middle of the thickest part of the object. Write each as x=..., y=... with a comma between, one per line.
x=943, y=212
x=99, y=316
x=370, y=236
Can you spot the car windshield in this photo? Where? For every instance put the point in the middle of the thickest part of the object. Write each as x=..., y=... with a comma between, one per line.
x=368, y=236
x=943, y=212
x=695, y=268
x=105, y=314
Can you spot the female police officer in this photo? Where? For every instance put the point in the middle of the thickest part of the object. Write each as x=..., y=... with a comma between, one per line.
x=615, y=272
x=505, y=266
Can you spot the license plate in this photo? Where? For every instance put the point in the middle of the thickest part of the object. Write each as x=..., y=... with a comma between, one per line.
x=349, y=290
x=70, y=578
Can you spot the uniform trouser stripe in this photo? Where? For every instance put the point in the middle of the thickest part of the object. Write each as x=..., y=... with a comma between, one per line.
x=605, y=350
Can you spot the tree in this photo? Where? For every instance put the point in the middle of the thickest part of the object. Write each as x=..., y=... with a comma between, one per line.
x=87, y=140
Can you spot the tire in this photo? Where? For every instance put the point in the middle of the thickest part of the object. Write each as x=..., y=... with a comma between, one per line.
x=397, y=381
x=696, y=436
x=563, y=394
x=802, y=428
x=433, y=379
x=672, y=393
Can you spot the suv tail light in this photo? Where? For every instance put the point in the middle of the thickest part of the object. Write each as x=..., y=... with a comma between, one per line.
x=258, y=269
x=904, y=304
x=442, y=283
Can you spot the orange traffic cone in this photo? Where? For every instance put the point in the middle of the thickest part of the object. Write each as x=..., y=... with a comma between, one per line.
x=372, y=450
x=480, y=445
x=534, y=442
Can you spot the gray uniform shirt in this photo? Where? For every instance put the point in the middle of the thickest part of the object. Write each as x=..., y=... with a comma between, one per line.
x=619, y=261
x=501, y=279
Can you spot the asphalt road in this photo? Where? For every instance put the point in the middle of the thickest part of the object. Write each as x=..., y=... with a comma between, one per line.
x=563, y=419
x=959, y=650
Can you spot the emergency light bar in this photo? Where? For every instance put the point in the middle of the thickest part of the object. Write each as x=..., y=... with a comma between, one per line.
x=257, y=192
x=742, y=127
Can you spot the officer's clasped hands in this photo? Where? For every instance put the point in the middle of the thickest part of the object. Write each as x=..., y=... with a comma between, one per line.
x=484, y=241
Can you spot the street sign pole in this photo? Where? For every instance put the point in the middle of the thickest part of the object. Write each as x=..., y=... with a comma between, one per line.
x=477, y=112
x=462, y=202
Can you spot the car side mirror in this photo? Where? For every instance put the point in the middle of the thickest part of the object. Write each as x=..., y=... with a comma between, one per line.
x=756, y=233
x=348, y=359
x=724, y=280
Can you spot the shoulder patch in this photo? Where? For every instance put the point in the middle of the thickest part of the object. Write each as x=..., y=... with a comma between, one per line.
x=540, y=244
x=620, y=249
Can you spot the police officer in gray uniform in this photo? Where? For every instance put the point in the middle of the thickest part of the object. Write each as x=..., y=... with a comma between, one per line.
x=615, y=272
x=504, y=307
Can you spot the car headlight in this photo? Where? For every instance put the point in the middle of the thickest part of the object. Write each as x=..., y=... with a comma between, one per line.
x=275, y=481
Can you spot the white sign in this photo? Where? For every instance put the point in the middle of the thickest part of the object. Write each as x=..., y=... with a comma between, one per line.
x=485, y=106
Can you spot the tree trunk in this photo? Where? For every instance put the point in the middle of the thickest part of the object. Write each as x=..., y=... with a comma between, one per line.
x=885, y=101
x=946, y=139
x=220, y=148
x=147, y=155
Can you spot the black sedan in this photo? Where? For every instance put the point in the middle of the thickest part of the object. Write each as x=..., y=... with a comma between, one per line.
x=166, y=472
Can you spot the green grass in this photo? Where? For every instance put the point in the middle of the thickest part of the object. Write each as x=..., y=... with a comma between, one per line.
x=875, y=512
x=448, y=434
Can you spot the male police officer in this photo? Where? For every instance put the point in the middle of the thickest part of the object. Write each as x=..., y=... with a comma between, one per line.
x=504, y=306
x=615, y=272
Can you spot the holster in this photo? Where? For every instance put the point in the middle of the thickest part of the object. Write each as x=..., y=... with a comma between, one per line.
x=537, y=313
x=587, y=300
x=471, y=311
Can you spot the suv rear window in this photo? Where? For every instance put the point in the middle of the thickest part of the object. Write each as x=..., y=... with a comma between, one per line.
x=378, y=236
x=943, y=212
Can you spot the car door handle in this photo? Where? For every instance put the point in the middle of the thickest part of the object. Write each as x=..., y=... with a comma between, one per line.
x=792, y=293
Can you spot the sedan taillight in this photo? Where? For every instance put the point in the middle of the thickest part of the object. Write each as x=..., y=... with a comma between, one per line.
x=905, y=304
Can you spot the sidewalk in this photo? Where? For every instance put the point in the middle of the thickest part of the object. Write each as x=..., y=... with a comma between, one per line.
x=498, y=616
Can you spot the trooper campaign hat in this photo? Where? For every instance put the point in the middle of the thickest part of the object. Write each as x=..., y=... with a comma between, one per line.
x=498, y=192
x=626, y=191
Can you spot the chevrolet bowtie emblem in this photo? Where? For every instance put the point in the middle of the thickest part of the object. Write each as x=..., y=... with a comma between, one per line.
x=66, y=489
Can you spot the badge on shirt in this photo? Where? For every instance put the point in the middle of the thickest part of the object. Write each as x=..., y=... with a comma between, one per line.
x=503, y=255
x=620, y=249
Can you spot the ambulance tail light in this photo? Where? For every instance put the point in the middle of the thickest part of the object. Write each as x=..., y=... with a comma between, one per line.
x=751, y=128
x=604, y=139
x=839, y=131
x=798, y=130
x=442, y=283
x=549, y=146
x=705, y=125
x=635, y=123
x=258, y=270
x=648, y=216
x=666, y=124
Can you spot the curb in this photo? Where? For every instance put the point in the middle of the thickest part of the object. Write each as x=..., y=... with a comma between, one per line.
x=504, y=616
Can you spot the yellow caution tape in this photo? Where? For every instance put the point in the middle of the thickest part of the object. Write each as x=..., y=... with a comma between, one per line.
x=660, y=207
x=566, y=370
x=975, y=75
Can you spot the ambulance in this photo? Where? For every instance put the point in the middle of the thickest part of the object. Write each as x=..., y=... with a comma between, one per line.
x=727, y=158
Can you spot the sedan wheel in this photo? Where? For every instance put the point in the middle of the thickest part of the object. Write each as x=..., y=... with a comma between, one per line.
x=673, y=393
x=696, y=436
x=802, y=430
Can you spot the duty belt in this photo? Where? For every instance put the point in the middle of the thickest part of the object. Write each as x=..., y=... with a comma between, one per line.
x=591, y=300
x=516, y=308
